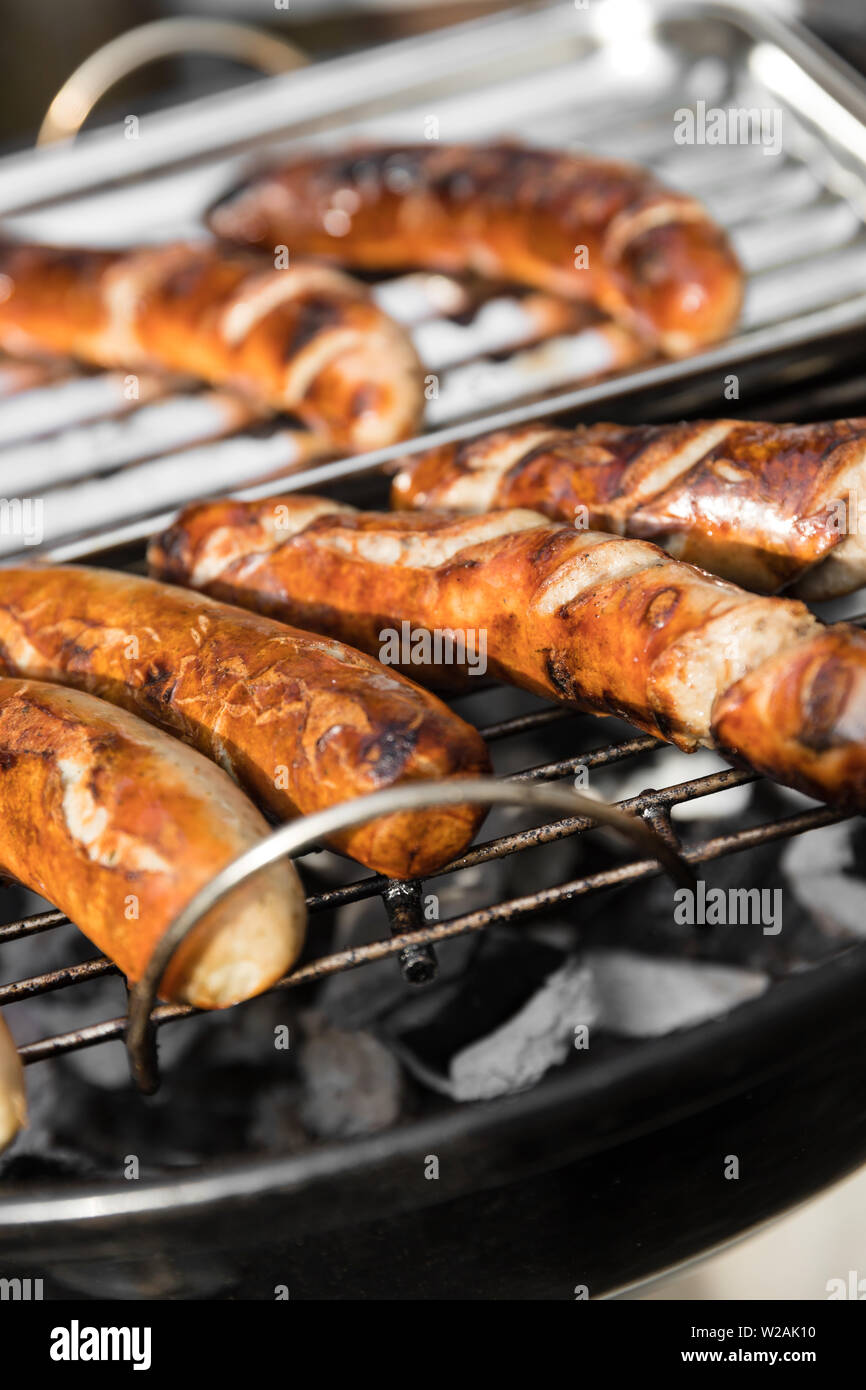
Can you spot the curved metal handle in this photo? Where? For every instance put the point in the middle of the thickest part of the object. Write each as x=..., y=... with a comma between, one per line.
x=310, y=830
x=163, y=38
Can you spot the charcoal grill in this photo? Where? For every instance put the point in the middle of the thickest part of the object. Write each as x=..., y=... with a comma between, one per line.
x=581, y=1150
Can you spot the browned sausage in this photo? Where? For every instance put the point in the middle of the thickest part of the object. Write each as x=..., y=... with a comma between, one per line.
x=119, y=825
x=300, y=721
x=581, y=227
x=801, y=717
x=306, y=339
x=611, y=625
x=767, y=506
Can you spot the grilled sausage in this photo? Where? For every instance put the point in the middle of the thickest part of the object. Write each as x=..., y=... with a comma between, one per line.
x=581, y=227
x=801, y=716
x=13, y=1095
x=767, y=506
x=613, y=626
x=119, y=826
x=306, y=339
x=301, y=722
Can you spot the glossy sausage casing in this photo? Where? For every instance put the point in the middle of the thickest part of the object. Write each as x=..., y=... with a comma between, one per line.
x=612, y=625
x=301, y=722
x=768, y=506
x=119, y=825
x=578, y=226
x=305, y=338
x=801, y=717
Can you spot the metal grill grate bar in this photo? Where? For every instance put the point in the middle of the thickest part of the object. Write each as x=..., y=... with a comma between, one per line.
x=497, y=848
x=515, y=909
x=798, y=229
x=795, y=218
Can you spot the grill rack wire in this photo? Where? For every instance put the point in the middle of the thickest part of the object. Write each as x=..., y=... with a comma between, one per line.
x=796, y=220
x=410, y=939
x=817, y=223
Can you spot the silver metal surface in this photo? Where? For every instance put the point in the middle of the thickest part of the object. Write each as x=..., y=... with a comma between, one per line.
x=161, y=38
x=609, y=78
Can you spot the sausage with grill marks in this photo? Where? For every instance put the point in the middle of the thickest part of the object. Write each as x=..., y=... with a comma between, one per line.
x=611, y=625
x=581, y=227
x=304, y=339
x=801, y=716
x=767, y=506
x=119, y=826
x=301, y=722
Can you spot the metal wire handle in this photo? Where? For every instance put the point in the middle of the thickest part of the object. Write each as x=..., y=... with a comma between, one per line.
x=163, y=38
x=307, y=831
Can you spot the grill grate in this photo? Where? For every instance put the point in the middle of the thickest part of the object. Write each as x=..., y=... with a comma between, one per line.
x=109, y=473
x=654, y=806
x=111, y=470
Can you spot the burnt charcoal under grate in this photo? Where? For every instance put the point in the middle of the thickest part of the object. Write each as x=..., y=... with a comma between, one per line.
x=367, y=1051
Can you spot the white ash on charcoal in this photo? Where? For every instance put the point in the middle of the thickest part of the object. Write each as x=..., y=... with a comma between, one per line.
x=356, y=998
x=362, y=1050
x=667, y=767
x=220, y=1072
x=248, y=1080
x=500, y=1025
x=275, y=1126
x=352, y=1083
x=822, y=870
x=53, y=1109
x=515, y=1056
x=642, y=971
x=767, y=915
x=459, y=1053
x=647, y=997
x=214, y=1091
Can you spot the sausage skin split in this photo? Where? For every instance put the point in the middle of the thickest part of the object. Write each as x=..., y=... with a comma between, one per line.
x=611, y=625
x=580, y=227
x=299, y=721
x=119, y=826
x=13, y=1094
x=767, y=506
x=305, y=339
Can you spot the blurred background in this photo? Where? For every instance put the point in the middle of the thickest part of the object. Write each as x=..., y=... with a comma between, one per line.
x=43, y=42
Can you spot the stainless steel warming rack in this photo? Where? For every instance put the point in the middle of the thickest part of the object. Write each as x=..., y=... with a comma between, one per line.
x=548, y=73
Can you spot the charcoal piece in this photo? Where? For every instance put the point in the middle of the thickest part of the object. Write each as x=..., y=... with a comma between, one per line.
x=508, y=969
x=53, y=1097
x=352, y=1083
x=821, y=870
x=539, y=1036
x=643, y=916
x=276, y=1125
x=646, y=997
x=361, y=998
x=212, y=1100
x=667, y=768
x=358, y=998
x=65, y=1010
